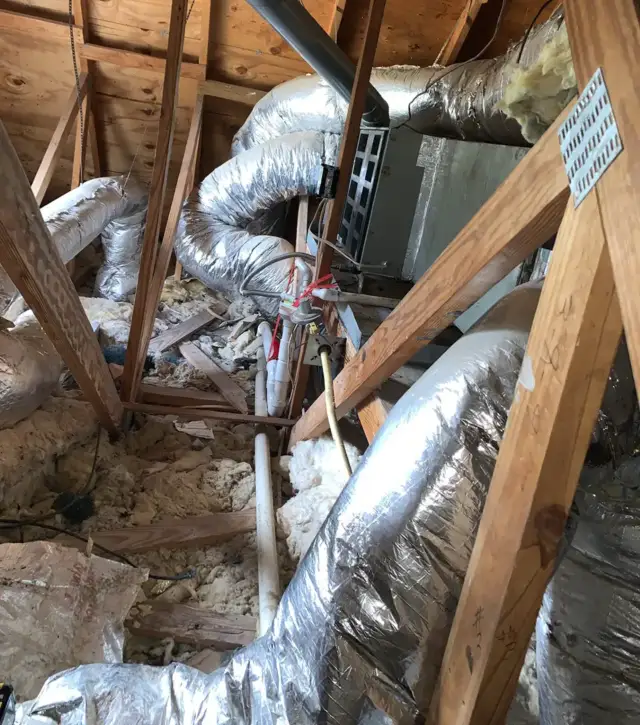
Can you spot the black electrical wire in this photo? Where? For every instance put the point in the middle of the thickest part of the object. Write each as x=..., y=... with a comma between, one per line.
x=530, y=28
x=458, y=65
x=17, y=523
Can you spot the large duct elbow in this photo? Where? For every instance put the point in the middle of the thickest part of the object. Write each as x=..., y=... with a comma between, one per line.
x=222, y=232
x=111, y=207
x=458, y=102
x=296, y=25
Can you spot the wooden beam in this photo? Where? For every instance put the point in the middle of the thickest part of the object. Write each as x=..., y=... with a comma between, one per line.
x=336, y=19
x=55, y=148
x=449, y=52
x=133, y=59
x=207, y=414
x=182, y=330
x=31, y=260
x=192, y=532
x=486, y=250
x=32, y=24
x=138, y=336
x=571, y=347
x=351, y=133
x=194, y=625
x=205, y=32
x=230, y=390
x=188, y=397
x=606, y=34
x=231, y=92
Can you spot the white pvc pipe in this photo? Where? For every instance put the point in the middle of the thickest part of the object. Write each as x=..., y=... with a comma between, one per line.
x=282, y=375
x=268, y=571
x=264, y=330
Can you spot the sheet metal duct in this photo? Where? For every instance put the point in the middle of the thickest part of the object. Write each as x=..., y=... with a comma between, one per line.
x=296, y=25
x=457, y=102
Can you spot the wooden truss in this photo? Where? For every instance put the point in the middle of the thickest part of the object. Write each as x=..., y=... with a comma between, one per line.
x=588, y=294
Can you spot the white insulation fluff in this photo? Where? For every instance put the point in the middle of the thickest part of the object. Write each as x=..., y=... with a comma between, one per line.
x=318, y=476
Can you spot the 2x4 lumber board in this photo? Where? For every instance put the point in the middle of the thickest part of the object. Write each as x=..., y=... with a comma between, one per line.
x=351, y=133
x=523, y=213
x=231, y=92
x=33, y=264
x=132, y=59
x=191, y=397
x=138, y=337
x=26, y=23
x=196, y=626
x=573, y=340
x=301, y=376
x=336, y=19
x=207, y=414
x=182, y=330
x=455, y=41
x=191, y=532
x=606, y=34
x=230, y=391
x=184, y=184
x=52, y=155
x=205, y=31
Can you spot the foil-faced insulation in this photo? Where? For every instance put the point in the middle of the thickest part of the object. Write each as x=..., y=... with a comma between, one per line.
x=456, y=102
x=361, y=630
x=113, y=207
x=588, y=631
x=223, y=230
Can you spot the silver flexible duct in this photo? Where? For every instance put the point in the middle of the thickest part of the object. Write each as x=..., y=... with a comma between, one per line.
x=29, y=372
x=112, y=207
x=221, y=236
x=360, y=632
x=459, y=103
x=588, y=631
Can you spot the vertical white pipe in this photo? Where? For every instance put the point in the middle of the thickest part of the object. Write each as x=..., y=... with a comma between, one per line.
x=282, y=374
x=268, y=571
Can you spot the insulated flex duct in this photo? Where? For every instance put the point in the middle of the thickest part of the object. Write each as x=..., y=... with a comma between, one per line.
x=112, y=207
x=221, y=236
x=456, y=102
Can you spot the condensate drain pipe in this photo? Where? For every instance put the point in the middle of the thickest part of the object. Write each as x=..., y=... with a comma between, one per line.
x=268, y=572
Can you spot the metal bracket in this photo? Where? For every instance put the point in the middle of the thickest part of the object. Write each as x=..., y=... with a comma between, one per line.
x=589, y=138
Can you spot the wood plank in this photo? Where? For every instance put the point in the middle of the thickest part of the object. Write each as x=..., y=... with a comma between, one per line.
x=607, y=35
x=133, y=59
x=179, y=332
x=571, y=347
x=205, y=31
x=138, y=342
x=351, y=133
x=189, y=397
x=188, y=624
x=54, y=151
x=29, y=257
x=455, y=41
x=192, y=532
x=207, y=414
x=27, y=23
x=487, y=249
x=336, y=19
x=231, y=391
x=231, y=92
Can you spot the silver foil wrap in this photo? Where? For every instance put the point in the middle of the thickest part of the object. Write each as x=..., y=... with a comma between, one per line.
x=455, y=102
x=361, y=630
x=111, y=207
x=29, y=372
x=221, y=236
x=588, y=631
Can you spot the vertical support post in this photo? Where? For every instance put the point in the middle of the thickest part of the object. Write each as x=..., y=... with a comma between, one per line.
x=143, y=316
